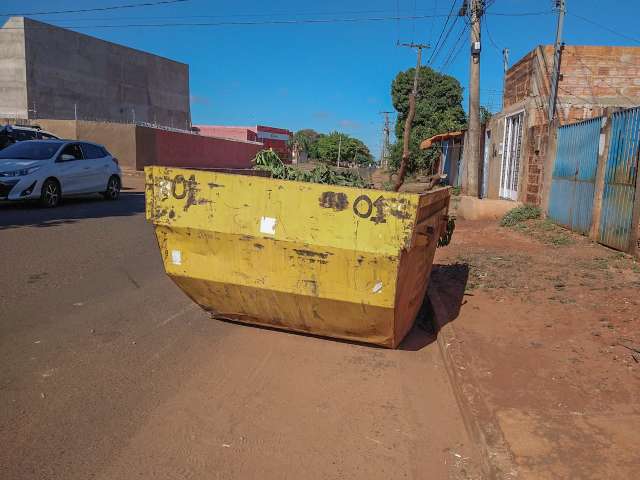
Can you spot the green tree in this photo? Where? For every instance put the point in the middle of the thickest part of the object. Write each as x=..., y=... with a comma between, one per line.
x=302, y=140
x=352, y=150
x=485, y=115
x=438, y=110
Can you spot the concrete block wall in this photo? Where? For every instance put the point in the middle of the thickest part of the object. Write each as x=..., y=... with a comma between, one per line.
x=13, y=70
x=52, y=72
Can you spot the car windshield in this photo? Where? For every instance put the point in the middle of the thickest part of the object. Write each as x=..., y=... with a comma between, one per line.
x=30, y=150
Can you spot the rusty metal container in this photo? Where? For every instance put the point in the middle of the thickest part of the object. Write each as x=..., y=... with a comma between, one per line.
x=334, y=261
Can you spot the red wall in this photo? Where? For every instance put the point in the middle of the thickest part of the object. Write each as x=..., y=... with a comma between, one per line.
x=175, y=149
x=280, y=146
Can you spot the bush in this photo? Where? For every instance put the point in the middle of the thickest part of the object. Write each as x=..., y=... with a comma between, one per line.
x=520, y=214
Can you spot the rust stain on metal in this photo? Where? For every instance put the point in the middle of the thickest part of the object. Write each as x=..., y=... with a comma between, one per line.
x=336, y=200
x=399, y=209
x=172, y=213
x=312, y=254
x=313, y=286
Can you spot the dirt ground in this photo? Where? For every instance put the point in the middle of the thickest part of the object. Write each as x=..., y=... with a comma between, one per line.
x=544, y=325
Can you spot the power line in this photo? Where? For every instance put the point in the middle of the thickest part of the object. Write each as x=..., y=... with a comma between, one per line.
x=604, y=27
x=521, y=14
x=241, y=23
x=444, y=41
x=413, y=33
x=455, y=50
x=96, y=9
x=252, y=15
x=435, y=9
x=493, y=44
x=437, y=45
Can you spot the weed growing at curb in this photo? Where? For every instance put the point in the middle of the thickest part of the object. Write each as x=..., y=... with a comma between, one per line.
x=520, y=214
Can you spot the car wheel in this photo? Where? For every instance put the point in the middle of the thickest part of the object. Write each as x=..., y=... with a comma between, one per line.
x=113, y=188
x=50, y=195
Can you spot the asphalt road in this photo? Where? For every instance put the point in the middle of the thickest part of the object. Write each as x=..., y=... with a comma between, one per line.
x=110, y=372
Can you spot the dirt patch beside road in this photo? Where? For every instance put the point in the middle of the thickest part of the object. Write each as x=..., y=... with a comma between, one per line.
x=543, y=344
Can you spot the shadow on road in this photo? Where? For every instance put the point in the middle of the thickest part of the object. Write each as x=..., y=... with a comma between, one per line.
x=451, y=283
x=71, y=210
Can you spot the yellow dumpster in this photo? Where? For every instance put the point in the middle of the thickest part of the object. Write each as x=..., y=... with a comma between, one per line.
x=334, y=261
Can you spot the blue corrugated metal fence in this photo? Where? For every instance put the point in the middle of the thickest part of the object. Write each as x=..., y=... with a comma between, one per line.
x=574, y=174
x=620, y=180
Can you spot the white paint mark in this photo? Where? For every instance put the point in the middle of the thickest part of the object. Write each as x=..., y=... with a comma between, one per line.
x=268, y=225
x=377, y=287
x=37, y=341
x=601, y=144
x=176, y=257
x=182, y=311
x=226, y=445
x=78, y=304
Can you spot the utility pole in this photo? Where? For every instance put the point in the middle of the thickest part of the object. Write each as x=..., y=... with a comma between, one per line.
x=384, y=155
x=505, y=60
x=505, y=68
x=557, y=53
x=339, y=148
x=412, y=113
x=472, y=140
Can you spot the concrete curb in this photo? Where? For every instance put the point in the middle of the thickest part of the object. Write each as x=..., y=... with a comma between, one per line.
x=495, y=457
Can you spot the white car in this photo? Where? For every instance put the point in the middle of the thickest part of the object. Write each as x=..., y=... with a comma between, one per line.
x=47, y=170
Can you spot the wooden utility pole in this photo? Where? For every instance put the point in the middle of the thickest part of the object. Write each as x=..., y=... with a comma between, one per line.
x=557, y=52
x=412, y=113
x=472, y=140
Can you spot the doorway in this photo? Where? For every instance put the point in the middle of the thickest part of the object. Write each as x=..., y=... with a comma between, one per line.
x=512, y=151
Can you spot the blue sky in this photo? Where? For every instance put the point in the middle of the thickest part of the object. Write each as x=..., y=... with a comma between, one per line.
x=326, y=76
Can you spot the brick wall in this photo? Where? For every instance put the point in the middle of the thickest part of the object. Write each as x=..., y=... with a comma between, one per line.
x=534, y=156
x=600, y=76
x=593, y=79
x=518, y=81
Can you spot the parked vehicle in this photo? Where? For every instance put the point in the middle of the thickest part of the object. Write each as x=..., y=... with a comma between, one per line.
x=47, y=170
x=10, y=134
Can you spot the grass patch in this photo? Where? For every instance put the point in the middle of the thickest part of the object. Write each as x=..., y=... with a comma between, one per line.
x=520, y=214
x=455, y=191
x=545, y=231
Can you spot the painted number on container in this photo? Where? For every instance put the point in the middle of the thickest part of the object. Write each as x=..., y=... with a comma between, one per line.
x=363, y=207
x=179, y=179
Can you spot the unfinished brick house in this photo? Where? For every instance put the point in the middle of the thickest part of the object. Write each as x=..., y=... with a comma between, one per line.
x=519, y=146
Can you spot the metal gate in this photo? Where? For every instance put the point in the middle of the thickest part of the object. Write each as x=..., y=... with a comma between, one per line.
x=574, y=174
x=620, y=180
x=512, y=147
